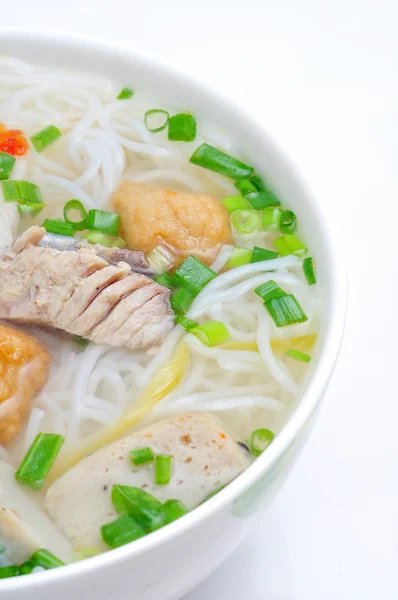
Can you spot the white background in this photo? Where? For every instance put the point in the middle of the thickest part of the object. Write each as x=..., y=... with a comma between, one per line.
x=323, y=76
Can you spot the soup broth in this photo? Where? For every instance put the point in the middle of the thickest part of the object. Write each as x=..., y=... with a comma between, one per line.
x=231, y=341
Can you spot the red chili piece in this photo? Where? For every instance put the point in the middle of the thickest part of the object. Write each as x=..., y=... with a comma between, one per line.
x=13, y=141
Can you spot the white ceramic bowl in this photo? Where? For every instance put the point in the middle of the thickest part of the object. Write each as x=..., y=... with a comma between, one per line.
x=168, y=563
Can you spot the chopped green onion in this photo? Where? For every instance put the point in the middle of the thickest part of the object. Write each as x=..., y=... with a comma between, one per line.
x=29, y=192
x=258, y=198
x=181, y=301
x=162, y=469
x=21, y=191
x=161, y=259
x=96, y=237
x=80, y=341
x=238, y=257
x=46, y=559
x=257, y=182
x=245, y=186
x=39, y=459
x=59, y=227
x=182, y=128
x=260, y=254
x=103, y=220
x=269, y=290
x=302, y=356
x=165, y=280
x=214, y=492
x=233, y=203
x=262, y=199
x=142, y=456
x=246, y=221
x=121, y=531
x=309, y=270
x=209, y=157
x=138, y=504
x=193, y=275
x=152, y=121
x=12, y=571
x=11, y=191
x=211, y=333
x=70, y=209
x=6, y=165
x=285, y=310
x=288, y=222
x=30, y=208
x=186, y=323
x=173, y=510
x=27, y=567
x=45, y=137
x=125, y=94
x=289, y=244
x=260, y=440
x=271, y=219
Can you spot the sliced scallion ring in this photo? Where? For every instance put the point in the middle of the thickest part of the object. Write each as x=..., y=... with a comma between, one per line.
x=45, y=137
x=21, y=191
x=193, y=275
x=125, y=94
x=6, y=165
x=309, y=270
x=46, y=559
x=30, y=208
x=297, y=355
x=208, y=157
x=182, y=128
x=103, y=220
x=162, y=469
x=288, y=222
x=260, y=440
x=59, y=227
x=156, y=119
x=211, y=333
x=121, y=531
x=246, y=221
x=181, y=301
x=70, y=210
x=38, y=460
x=238, y=257
x=141, y=456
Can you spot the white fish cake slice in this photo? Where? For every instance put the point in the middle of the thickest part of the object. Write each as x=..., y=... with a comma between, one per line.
x=205, y=456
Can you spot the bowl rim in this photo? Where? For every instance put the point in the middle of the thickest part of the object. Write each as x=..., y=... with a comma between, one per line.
x=331, y=344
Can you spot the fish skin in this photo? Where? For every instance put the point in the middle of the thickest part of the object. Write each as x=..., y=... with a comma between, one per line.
x=59, y=242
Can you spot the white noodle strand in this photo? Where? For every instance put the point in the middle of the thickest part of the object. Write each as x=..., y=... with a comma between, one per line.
x=103, y=141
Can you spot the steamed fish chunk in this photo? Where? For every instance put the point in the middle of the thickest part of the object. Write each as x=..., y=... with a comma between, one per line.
x=134, y=258
x=86, y=291
x=23, y=372
x=33, y=235
x=205, y=456
x=191, y=224
x=81, y=293
x=36, y=284
x=37, y=236
x=24, y=526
